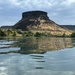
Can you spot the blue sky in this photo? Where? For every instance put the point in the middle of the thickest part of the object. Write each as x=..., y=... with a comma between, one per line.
x=60, y=11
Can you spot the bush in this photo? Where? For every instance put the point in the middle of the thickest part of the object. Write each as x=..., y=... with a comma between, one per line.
x=9, y=32
x=73, y=34
x=29, y=33
x=63, y=35
x=19, y=31
x=24, y=34
x=37, y=34
x=14, y=34
x=2, y=33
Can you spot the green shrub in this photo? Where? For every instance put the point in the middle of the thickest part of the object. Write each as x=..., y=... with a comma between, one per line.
x=2, y=33
x=14, y=34
x=37, y=34
x=73, y=34
x=29, y=33
x=19, y=31
x=9, y=32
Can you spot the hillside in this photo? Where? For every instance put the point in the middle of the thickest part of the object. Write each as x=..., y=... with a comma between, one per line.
x=38, y=21
x=6, y=27
x=70, y=27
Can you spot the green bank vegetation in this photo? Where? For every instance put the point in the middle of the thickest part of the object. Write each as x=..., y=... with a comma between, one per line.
x=2, y=33
x=20, y=33
x=73, y=34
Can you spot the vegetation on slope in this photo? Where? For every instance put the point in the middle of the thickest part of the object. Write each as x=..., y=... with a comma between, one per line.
x=20, y=33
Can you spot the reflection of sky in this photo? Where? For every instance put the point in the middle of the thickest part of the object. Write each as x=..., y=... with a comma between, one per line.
x=55, y=63
x=9, y=49
x=5, y=46
x=4, y=42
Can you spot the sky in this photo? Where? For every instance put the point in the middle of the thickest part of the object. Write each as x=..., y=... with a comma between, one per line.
x=60, y=11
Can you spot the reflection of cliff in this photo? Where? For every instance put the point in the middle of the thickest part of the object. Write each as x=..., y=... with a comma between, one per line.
x=41, y=45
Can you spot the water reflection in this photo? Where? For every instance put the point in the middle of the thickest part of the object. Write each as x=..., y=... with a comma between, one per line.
x=42, y=45
x=37, y=56
x=35, y=45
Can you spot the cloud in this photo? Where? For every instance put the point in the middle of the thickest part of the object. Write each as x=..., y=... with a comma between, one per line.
x=68, y=2
x=35, y=4
x=57, y=9
x=30, y=4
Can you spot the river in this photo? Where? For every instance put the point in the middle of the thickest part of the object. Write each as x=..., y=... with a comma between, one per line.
x=37, y=56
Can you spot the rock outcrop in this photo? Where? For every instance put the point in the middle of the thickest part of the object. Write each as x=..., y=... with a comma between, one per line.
x=38, y=21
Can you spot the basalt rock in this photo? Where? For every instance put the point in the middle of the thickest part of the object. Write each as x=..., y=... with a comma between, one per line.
x=38, y=21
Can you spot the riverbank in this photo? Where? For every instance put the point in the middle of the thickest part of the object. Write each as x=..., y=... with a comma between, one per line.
x=19, y=33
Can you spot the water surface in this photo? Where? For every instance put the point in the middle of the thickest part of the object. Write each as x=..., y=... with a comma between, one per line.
x=37, y=56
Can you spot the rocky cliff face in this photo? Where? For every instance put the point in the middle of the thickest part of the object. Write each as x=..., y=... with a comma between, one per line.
x=38, y=21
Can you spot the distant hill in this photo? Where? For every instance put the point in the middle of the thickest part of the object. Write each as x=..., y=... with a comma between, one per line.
x=6, y=27
x=70, y=27
x=38, y=21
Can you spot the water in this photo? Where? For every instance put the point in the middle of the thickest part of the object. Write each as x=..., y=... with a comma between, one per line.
x=37, y=56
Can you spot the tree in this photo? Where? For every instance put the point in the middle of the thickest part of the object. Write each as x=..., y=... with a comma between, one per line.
x=2, y=33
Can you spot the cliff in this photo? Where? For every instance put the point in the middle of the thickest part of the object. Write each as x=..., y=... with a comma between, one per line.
x=38, y=21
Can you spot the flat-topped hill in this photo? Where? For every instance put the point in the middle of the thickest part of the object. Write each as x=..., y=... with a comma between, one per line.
x=38, y=21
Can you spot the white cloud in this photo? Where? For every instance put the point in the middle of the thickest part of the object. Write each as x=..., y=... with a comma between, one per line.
x=9, y=3
x=37, y=4
x=29, y=3
x=55, y=8
x=14, y=2
x=68, y=2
